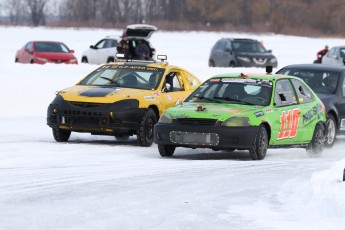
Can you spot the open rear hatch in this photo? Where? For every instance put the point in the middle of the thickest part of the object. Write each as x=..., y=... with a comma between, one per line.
x=139, y=31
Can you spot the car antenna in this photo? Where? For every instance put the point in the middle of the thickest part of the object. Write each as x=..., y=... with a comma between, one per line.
x=162, y=58
x=269, y=69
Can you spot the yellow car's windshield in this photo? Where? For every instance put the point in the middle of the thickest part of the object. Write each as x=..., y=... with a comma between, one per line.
x=139, y=77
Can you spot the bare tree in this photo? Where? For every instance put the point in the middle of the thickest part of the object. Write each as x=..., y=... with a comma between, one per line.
x=109, y=11
x=36, y=11
x=15, y=10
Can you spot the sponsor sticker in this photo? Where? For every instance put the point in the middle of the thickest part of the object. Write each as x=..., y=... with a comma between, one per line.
x=150, y=98
x=259, y=113
x=238, y=80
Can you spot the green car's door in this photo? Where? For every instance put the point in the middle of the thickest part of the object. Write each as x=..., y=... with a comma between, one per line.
x=311, y=109
x=288, y=125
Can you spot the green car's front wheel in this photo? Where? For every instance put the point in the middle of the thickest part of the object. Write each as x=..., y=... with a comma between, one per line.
x=61, y=135
x=259, y=148
x=166, y=150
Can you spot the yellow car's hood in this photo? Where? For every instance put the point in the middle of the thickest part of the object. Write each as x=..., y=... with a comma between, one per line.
x=81, y=93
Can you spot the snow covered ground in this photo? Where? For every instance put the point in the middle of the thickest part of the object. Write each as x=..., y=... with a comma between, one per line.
x=95, y=182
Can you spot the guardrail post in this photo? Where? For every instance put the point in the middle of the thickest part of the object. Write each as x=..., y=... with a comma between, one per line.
x=344, y=175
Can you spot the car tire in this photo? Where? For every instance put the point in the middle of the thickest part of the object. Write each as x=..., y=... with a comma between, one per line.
x=166, y=150
x=16, y=60
x=122, y=137
x=232, y=64
x=145, y=133
x=260, y=145
x=317, y=143
x=211, y=63
x=84, y=60
x=61, y=135
x=331, y=131
x=32, y=62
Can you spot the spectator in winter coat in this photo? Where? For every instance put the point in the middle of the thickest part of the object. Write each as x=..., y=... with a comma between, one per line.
x=123, y=47
x=142, y=52
x=322, y=52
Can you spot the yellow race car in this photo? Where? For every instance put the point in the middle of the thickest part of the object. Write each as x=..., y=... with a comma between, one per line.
x=121, y=99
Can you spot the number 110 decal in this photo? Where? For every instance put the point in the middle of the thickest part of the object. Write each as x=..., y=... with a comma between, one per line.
x=289, y=124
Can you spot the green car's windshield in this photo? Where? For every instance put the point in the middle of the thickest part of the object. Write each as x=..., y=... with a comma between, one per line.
x=233, y=91
x=321, y=81
x=138, y=77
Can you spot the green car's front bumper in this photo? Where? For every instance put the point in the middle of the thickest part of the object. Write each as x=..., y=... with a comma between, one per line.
x=204, y=136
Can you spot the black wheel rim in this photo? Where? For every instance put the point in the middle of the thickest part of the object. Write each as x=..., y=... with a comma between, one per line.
x=331, y=131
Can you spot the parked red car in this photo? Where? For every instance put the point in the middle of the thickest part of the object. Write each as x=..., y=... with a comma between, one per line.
x=42, y=52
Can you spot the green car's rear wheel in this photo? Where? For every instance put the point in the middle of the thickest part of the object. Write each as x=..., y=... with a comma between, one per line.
x=317, y=143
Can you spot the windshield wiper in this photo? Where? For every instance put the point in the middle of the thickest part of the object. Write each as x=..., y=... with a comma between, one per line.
x=115, y=83
x=234, y=99
x=207, y=99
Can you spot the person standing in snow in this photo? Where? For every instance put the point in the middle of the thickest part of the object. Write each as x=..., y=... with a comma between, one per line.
x=320, y=54
x=123, y=46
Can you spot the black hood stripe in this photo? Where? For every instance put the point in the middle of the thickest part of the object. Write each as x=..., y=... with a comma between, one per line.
x=97, y=92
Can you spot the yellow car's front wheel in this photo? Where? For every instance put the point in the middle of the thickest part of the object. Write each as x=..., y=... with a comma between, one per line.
x=145, y=133
x=61, y=135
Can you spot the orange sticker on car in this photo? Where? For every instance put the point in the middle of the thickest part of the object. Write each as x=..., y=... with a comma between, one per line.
x=289, y=122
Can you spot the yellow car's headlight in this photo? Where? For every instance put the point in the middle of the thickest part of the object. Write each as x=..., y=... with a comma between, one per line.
x=237, y=122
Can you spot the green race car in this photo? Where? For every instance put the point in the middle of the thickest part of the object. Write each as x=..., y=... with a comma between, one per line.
x=252, y=112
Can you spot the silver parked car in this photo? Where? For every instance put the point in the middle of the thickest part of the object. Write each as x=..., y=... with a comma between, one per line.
x=334, y=56
x=239, y=52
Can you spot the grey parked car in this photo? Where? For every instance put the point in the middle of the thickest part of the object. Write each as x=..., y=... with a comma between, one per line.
x=328, y=82
x=240, y=52
x=334, y=56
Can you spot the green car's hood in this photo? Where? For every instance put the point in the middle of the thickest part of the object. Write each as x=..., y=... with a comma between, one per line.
x=219, y=111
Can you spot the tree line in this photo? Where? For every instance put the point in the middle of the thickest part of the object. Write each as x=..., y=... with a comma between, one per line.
x=305, y=17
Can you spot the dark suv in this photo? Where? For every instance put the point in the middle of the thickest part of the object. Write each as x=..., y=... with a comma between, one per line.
x=238, y=52
x=328, y=83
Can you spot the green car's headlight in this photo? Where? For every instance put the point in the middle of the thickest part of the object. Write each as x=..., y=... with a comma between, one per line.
x=237, y=122
x=165, y=118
